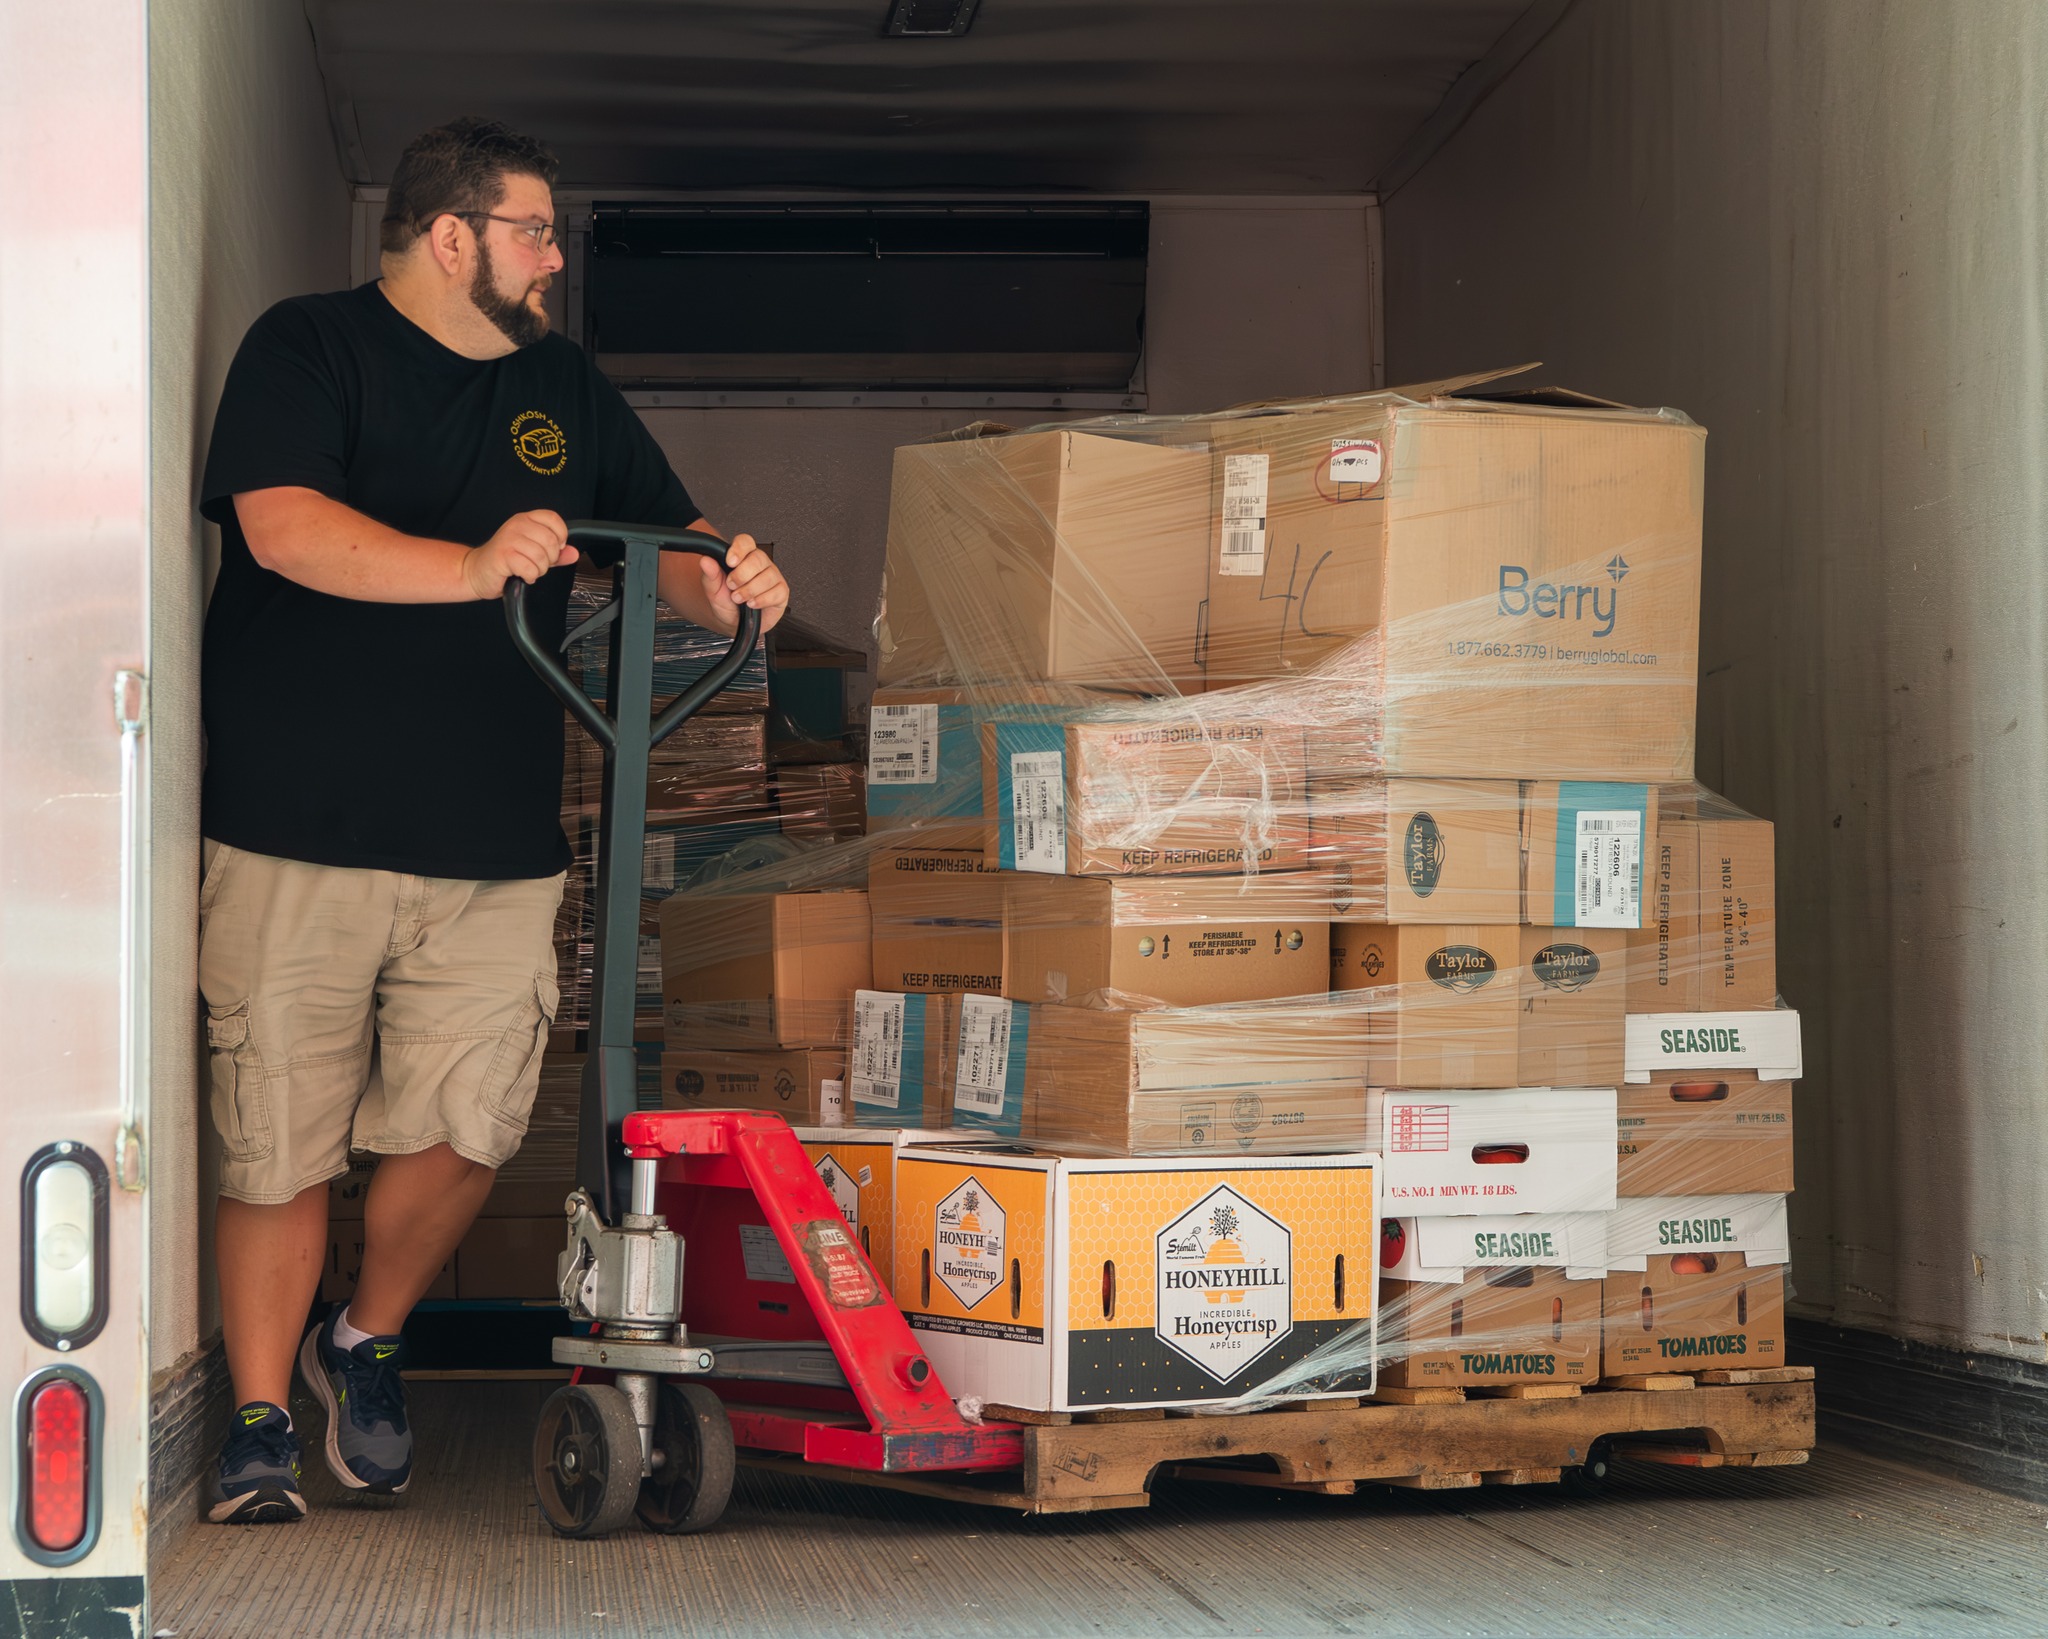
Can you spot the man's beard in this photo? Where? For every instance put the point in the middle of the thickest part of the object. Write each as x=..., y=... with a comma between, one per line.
x=521, y=326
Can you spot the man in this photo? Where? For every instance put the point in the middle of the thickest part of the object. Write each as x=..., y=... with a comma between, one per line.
x=384, y=855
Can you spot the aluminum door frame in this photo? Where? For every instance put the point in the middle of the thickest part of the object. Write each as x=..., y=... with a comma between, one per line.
x=74, y=576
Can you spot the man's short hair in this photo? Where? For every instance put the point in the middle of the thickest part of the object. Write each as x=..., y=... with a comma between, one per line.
x=460, y=166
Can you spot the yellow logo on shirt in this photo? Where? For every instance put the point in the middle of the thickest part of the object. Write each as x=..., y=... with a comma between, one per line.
x=539, y=443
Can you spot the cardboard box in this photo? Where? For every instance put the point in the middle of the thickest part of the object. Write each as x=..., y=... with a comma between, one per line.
x=937, y=919
x=1186, y=941
x=1493, y=1328
x=344, y=1263
x=1445, y=1250
x=1722, y=1132
x=1451, y=1154
x=1694, y=1311
x=806, y=1086
x=859, y=1169
x=511, y=1258
x=1767, y=1043
x=1444, y=1002
x=1164, y=798
x=1533, y=572
x=763, y=970
x=1709, y=937
x=899, y=1070
x=1573, y=989
x=1056, y=1283
x=1422, y=850
x=1588, y=847
x=1260, y=1080
x=1757, y=1226
x=1059, y=556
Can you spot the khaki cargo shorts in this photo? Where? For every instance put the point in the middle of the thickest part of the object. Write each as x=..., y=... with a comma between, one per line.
x=368, y=1010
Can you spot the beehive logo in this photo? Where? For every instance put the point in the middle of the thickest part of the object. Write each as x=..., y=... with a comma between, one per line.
x=967, y=1252
x=539, y=443
x=844, y=1191
x=1225, y=1283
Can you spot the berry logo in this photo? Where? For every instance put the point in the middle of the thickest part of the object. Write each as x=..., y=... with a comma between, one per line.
x=1463, y=968
x=1422, y=855
x=1552, y=600
x=1225, y=1283
x=968, y=1252
x=1565, y=967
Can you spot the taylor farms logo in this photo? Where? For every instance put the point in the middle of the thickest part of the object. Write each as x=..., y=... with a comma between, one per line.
x=1517, y=1365
x=1719, y=1039
x=841, y=1187
x=968, y=1256
x=1554, y=600
x=1565, y=967
x=1422, y=855
x=1225, y=1274
x=1462, y=968
x=539, y=443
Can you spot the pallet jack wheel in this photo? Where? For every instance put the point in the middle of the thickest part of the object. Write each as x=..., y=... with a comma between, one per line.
x=586, y=1460
x=694, y=1462
x=1589, y=1479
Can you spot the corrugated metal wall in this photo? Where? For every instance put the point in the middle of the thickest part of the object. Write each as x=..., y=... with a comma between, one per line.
x=1818, y=226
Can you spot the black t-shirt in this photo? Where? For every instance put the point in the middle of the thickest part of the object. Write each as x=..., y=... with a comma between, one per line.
x=401, y=737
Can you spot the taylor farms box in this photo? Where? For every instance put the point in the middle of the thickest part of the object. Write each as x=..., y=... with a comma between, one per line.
x=1708, y=942
x=804, y=1085
x=1489, y=1151
x=1183, y=941
x=1058, y=1283
x=1444, y=1001
x=1492, y=1328
x=1056, y=556
x=1696, y=1282
x=763, y=970
x=937, y=918
x=1422, y=850
x=1722, y=1132
x=1176, y=796
x=1587, y=846
x=859, y=1170
x=1572, y=986
x=1532, y=572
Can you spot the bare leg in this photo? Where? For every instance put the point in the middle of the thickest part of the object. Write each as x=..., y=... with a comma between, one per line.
x=269, y=1258
x=418, y=1210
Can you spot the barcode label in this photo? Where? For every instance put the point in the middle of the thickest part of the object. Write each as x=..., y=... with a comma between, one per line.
x=903, y=745
x=1038, y=810
x=875, y=1073
x=1608, y=880
x=981, y=1070
x=1241, y=548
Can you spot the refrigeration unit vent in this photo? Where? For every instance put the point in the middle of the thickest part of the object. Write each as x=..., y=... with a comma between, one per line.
x=868, y=297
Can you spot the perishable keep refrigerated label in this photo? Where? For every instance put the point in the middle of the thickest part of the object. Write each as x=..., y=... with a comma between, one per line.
x=903, y=745
x=1608, y=879
x=1355, y=461
x=1242, y=549
x=983, y=1063
x=875, y=1074
x=1038, y=810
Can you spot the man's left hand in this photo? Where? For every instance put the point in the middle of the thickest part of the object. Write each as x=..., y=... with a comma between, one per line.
x=749, y=579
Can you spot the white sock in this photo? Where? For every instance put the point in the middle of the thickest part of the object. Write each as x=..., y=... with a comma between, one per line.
x=346, y=1337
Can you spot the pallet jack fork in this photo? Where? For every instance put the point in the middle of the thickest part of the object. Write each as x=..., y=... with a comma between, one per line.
x=784, y=1340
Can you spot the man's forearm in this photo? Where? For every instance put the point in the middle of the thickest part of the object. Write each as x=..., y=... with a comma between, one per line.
x=322, y=544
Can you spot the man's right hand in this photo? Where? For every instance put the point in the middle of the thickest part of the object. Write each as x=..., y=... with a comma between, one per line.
x=526, y=546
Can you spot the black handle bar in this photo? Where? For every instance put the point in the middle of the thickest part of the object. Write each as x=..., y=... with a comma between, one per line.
x=585, y=534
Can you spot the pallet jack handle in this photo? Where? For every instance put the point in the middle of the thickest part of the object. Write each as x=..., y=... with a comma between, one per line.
x=627, y=727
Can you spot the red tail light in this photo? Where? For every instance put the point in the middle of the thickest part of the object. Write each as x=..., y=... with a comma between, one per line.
x=59, y=1425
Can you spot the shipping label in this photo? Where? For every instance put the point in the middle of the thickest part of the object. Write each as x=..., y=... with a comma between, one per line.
x=981, y=1070
x=1038, y=810
x=1608, y=874
x=903, y=745
x=1242, y=548
x=875, y=1072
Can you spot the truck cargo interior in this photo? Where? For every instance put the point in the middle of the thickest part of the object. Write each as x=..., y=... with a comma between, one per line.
x=1388, y=871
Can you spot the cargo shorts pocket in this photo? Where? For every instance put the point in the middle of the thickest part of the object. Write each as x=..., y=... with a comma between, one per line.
x=514, y=1074
x=240, y=1102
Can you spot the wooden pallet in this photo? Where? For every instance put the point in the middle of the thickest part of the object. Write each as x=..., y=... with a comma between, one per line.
x=1330, y=1449
x=1658, y=1381
x=1454, y=1397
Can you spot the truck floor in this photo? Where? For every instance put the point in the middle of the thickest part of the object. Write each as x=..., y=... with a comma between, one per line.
x=1845, y=1542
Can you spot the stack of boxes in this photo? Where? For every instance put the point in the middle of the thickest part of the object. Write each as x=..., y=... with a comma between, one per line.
x=1273, y=822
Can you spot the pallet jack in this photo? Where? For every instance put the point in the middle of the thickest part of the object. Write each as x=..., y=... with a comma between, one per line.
x=783, y=1340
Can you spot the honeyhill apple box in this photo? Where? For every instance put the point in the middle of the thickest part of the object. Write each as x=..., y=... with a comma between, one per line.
x=1062, y=1283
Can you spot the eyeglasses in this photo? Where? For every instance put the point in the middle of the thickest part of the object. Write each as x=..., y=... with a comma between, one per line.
x=541, y=235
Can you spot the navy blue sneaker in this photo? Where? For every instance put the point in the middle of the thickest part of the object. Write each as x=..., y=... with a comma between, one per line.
x=369, y=1445
x=256, y=1481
